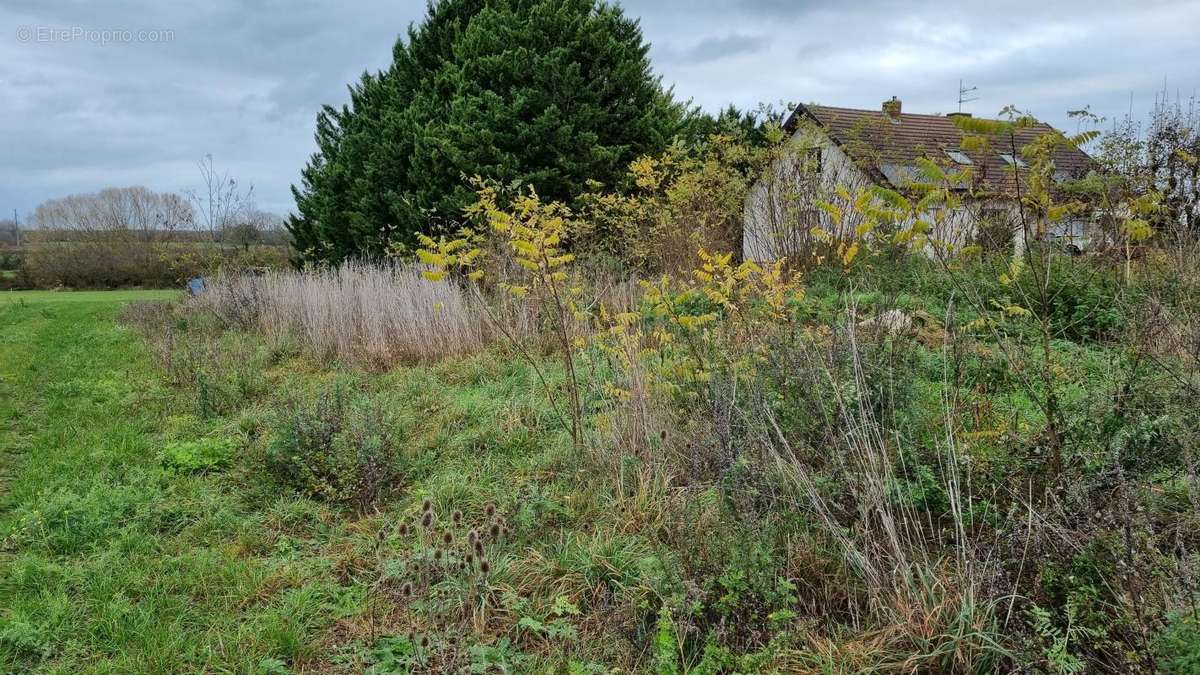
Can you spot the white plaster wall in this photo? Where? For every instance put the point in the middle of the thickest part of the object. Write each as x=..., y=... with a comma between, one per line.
x=780, y=211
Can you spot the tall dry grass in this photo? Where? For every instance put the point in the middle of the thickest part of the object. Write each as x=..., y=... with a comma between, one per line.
x=370, y=315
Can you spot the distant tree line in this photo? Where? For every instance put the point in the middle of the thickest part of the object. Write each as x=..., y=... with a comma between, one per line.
x=134, y=236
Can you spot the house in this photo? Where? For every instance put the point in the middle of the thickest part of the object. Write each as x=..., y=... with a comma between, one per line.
x=854, y=149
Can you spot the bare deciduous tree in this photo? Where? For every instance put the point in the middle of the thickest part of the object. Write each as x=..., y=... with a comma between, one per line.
x=1161, y=155
x=255, y=226
x=10, y=232
x=117, y=211
x=114, y=237
x=221, y=202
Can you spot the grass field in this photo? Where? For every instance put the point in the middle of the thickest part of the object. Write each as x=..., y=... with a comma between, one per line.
x=110, y=563
x=116, y=559
x=92, y=297
x=178, y=494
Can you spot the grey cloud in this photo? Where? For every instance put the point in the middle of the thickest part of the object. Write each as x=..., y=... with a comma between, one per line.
x=721, y=47
x=244, y=80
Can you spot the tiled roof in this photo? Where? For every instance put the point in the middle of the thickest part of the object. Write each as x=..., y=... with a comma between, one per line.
x=879, y=145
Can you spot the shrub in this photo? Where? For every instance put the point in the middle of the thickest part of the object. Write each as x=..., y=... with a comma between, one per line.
x=335, y=448
x=87, y=262
x=1178, y=646
x=1082, y=299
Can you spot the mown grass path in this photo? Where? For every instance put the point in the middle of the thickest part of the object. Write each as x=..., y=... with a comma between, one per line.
x=108, y=562
x=54, y=349
x=117, y=558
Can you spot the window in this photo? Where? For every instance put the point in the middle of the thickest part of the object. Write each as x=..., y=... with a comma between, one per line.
x=806, y=165
x=1012, y=161
x=958, y=157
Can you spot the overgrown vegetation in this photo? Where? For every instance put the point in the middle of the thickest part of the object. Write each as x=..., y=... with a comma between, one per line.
x=565, y=427
x=909, y=457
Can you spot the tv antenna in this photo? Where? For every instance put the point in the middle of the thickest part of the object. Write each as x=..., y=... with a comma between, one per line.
x=964, y=95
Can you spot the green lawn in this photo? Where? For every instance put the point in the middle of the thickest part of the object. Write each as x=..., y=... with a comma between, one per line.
x=110, y=563
x=114, y=559
x=95, y=297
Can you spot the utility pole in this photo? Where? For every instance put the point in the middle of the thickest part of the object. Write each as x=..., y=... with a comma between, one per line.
x=964, y=95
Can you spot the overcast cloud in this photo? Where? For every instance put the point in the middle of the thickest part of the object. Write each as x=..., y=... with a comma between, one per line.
x=244, y=80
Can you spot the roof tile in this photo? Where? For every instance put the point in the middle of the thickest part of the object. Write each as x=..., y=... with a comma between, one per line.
x=875, y=140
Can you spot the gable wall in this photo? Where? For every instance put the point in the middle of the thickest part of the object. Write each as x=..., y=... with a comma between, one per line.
x=780, y=211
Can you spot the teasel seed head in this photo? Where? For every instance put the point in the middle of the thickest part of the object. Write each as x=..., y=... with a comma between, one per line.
x=426, y=505
x=485, y=566
x=490, y=510
x=403, y=529
x=456, y=516
x=427, y=520
x=472, y=537
x=494, y=530
x=469, y=559
x=447, y=538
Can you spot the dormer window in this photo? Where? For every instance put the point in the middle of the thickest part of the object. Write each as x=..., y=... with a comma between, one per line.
x=1012, y=160
x=958, y=157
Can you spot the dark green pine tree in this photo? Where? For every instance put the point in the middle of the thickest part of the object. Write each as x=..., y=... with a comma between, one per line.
x=552, y=93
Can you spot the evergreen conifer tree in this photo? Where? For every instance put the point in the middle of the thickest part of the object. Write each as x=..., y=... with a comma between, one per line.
x=552, y=93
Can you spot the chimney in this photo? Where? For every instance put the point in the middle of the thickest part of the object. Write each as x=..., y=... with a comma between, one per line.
x=892, y=108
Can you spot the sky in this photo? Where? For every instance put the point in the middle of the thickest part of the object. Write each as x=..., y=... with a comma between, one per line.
x=120, y=93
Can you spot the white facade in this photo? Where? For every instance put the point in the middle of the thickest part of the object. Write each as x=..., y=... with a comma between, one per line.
x=782, y=211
